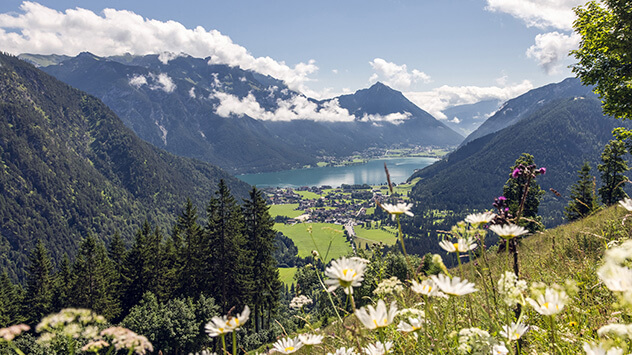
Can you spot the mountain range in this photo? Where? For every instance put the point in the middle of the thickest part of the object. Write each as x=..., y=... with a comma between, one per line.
x=240, y=120
x=561, y=125
x=69, y=167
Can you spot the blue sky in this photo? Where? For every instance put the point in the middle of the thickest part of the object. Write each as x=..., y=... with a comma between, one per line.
x=438, y=52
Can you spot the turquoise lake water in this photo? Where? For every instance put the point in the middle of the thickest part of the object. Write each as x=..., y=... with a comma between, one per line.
x=371, y=173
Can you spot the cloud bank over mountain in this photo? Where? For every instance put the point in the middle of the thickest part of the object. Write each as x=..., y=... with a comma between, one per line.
x=42, y=30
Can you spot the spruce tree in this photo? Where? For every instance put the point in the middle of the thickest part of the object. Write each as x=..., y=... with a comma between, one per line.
x=39, y=284
x=192, y=247
x=94, y=276
x=144, y=266
x=229, y=280
x=260, y=236
x=612, y=170
x=583, y=200
x=10, y=300
x=514, y=191
x=64, y=280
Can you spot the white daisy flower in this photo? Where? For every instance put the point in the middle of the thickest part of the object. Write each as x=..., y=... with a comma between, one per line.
x=413, y=325
x=550, y=303
x=478, y=219
x=378, y=317
x=398, y=209
x=344, y=351
x=508, y=231
x=346, y=273
x=287, y=345
x=238, y=321
x=500, y=349
x=513, y=331
x=462, y=245
x=454, y=286
x=427, y=288
x=626, y=203
x=378, y=348
x=597, y=349
x=310, y=339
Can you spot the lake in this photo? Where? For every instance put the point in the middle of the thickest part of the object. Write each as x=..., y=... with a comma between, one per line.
x=371, y=173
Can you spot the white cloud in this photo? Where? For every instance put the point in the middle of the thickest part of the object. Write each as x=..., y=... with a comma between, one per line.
x=298, y=107
x=539, y=13
x=438, y=99
x=137, y=81
x=396, y=76
x=394, y=118
x=192, y=92
x=161, y=81
x=551, y=50
x=42, y=30
x=165, y=57
x=455, y=120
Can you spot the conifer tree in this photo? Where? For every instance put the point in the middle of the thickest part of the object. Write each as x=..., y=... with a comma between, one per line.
x=63, y=281
x=10, y=300
x=143, y=266
x=117, y=251
x=39, y=284
x=192, y=247
x=94, y=276
x=583, y=200
x=229, y=281
x=260, y=236
x=514, y=190
x=612, y=170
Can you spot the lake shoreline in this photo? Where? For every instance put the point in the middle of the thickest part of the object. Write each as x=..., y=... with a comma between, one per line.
x=370, y=172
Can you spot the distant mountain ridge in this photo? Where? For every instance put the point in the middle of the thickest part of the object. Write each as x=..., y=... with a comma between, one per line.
x=69, y=167
x=524, y=105
x=176, y=106
x=560, y=133
x=465, y=119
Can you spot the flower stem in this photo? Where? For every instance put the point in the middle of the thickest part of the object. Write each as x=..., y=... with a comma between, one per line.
x=401, y=240
x=234, y=343
x=224, y=343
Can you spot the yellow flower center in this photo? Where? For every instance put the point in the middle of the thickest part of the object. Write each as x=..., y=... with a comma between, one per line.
x=345, y=271
x=456, y=246
x=517, y=335
x=289, y=348
x=546, y=305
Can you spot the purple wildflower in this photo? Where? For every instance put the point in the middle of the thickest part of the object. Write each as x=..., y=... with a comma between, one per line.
x=515, y=173
x=542, y=171
x=502, y=198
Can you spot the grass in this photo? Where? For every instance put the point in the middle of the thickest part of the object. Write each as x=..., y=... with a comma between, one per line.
x=286, y=275
x=323, y=233
x=370, y=236
x=566, y=258
x=288, y=210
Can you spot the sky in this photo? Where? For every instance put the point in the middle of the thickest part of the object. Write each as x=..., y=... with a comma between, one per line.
x=439, y=53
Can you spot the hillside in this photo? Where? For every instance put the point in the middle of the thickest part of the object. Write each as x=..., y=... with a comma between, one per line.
x=561, y=135
x=70, y=167
x=525, y=105
x=194, y=109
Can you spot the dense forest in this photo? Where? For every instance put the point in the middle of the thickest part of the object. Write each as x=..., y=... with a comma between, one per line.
x=69, y=168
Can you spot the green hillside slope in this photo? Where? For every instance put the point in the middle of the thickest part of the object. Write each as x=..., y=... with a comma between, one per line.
x=69, y=167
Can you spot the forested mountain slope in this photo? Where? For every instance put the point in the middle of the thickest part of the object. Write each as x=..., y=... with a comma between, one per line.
x=70, y=167
x=561, y=135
